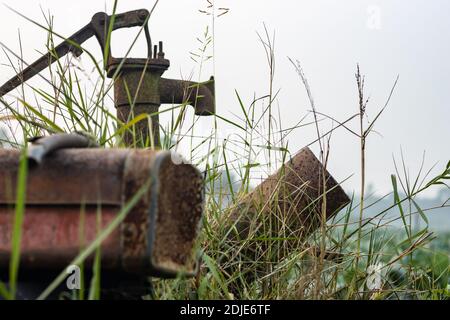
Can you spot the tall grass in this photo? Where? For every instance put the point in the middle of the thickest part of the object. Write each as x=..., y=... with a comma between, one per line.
x=335, y=262
x=18, y=223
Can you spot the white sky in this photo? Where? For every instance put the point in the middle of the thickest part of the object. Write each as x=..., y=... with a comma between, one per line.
x=389, y=37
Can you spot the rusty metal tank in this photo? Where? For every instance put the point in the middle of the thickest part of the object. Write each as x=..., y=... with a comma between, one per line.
x=288, y=206
x=70, y=187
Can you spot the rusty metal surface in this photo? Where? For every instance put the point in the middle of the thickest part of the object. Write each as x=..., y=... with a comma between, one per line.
x=136, y=92
x=295, y=192
x=71, y=176
x=154, y=65
x=156, y=237
x=101, y=21
x=288, y=205
x=162, y=241
x=199, y=95
x=135, y=227
x=178, y=198
x=52, y=238
x=141, y=134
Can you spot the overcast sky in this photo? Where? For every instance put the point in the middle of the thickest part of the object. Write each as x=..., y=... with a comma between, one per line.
x=387, y=38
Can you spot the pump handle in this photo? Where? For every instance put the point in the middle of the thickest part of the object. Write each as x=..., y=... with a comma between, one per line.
x=98, y=27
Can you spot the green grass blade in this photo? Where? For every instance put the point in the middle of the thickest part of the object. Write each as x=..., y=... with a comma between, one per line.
x=18, y=221
x=50, y=123
x=399, y=205
x=107, y=47
x=243, y=109
x=4, y=292
x=215, y=273
x=94, y=290
x=422, y=214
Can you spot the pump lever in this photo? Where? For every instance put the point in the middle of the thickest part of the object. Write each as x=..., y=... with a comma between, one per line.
x=98, y=27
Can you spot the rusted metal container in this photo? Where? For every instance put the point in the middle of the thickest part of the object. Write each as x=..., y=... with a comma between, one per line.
x=296, y=191
x=288, y=206
x=66, y=192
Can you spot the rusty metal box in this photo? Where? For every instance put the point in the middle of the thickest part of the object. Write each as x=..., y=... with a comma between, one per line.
x=72, y=188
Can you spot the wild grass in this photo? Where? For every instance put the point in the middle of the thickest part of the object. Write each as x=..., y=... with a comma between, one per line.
x=351, y=256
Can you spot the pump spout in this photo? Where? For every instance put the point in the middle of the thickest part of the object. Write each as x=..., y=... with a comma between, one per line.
x=199, y=95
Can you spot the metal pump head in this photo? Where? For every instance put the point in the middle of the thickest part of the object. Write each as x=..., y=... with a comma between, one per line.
x=138, y=85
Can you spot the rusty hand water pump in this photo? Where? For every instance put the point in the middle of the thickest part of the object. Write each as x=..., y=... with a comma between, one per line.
x=138, y=85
